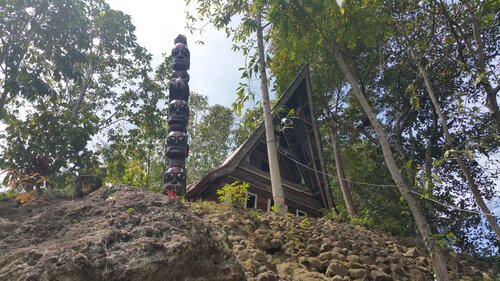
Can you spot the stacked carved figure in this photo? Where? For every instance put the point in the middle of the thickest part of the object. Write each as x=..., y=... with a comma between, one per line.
x=177, y=147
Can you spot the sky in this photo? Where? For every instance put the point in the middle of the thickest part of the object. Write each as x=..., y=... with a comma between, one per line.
x=214, y=66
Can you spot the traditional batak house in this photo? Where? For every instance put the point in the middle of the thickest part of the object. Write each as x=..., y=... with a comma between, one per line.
x=302, y=166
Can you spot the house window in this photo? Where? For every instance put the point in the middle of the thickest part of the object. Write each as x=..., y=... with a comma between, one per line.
x=264, y=166
x=300, y=213
x=251, y=201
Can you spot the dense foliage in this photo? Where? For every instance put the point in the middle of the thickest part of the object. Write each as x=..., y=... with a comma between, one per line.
x=69, y=70
x=376, y=38
x=387, y=45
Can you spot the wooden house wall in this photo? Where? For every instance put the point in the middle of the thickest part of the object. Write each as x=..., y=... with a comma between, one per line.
x=263, y=192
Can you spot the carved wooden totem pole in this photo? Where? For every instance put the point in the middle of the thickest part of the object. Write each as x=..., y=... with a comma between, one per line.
x=177, y=147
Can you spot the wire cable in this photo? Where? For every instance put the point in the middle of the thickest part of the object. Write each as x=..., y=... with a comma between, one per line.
x=390, y=185
x=336, y=177
x=453, y=207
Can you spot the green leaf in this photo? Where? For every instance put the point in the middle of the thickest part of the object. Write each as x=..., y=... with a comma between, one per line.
x=437, y=178
x=448, y=152
x=415, y=102
x=6, y=180
x=408, y=164
x=477, y=81
x=469, y=155
x=438, y=162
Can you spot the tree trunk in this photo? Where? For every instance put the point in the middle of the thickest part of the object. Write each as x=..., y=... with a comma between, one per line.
x=83, y=91
x=449, y=142
x=401, y=123
x=480, y=62
x=439, y=263
x=438, y=260
x=148, y=169
x=428, y=162
x=346, y=194
x=277, y=188
x=3, y=97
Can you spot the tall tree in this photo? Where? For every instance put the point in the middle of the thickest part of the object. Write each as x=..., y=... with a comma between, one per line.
x=70, y=69
x=211, y=136
x=339, y=165
x=421, y=47
x=219, y=13
x=451, y=146
x=272, y=153
x=423, y=227
x=133, y=148
x=380, y=62
x=329, y=37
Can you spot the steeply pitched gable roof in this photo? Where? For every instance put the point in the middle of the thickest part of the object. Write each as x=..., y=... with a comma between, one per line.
x=298, y=96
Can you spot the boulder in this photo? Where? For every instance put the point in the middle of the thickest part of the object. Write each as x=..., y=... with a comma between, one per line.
x=305, y=275
x=325, y=247
x=352, y=258
x=311, y=263
x=267, y=276
x=359, y=273
x=325, y=256
x=411, y=252
x=85, y=184
x=313, y=249
x=286, y=269
x=117, y=233
x=379, y=275
x=343, y=244
x=336, y=268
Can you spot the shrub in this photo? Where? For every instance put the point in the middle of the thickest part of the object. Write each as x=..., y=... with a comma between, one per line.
x=305, y=223
x=202, y=207
x=25, y=185
x=333, y=216
x=234, y=193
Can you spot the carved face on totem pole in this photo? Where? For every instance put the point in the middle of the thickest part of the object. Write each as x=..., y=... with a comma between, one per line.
x=179, y=87
x=174, y=181
x=178, y=113
x=177, y=145
x=180, y=56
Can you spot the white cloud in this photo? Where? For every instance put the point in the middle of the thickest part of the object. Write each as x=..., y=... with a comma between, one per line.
x=214, y=66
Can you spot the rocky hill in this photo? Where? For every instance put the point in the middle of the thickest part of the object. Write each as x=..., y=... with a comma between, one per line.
x=122, y=233
x=303, y=249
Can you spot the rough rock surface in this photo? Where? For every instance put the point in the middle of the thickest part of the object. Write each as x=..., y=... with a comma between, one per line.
x=116, y=233
x=306, y=249
x=121, y=233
